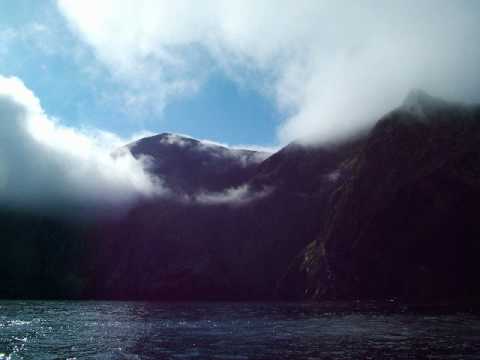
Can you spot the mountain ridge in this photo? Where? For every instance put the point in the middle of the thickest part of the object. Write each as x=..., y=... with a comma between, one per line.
x=388, y=214
x=189, y=166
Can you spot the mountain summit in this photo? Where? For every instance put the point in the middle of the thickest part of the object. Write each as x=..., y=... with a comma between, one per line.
x=189, y=165
x=424, y=106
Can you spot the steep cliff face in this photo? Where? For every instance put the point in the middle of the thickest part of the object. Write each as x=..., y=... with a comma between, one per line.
x=403, y=219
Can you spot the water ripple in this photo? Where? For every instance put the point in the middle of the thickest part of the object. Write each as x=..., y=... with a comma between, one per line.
x=135, y=330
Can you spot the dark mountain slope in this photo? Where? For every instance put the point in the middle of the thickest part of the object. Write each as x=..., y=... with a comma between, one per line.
x=403, y=221
x=42, y=257
x=392, y=214
x=170, y=249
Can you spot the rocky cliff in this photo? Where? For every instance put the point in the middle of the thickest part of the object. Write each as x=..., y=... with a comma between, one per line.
x=402, y=220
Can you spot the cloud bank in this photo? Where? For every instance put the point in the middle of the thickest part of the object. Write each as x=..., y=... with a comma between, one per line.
x=333, y=67
x=235, y=196
x=44, y=165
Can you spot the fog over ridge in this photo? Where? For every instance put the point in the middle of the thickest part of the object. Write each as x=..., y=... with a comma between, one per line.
x=44, y=164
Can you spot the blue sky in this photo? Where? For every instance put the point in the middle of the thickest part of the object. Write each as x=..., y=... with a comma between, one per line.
x=40, y=48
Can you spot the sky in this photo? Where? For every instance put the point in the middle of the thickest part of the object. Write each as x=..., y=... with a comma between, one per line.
x=79, y=79
x=238, y=72
x=38, y=45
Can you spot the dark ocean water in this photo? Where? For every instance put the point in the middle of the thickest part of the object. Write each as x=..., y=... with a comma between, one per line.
x=136, y=330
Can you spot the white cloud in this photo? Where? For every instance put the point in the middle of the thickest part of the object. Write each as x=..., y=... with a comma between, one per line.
x=44, y=164
x=264, y=151
x=236, y=196
x=333, y=66
x=236, y=152
x=174, y=139
x=207, y=143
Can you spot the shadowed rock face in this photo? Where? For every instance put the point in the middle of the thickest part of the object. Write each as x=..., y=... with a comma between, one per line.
x=402, y=221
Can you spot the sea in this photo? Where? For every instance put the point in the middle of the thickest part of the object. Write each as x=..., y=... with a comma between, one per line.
x=153, y=330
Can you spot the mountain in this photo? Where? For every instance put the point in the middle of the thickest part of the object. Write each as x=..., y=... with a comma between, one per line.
x=172, y=249
x=391, y=213
x=402, y=221
x=187, y=165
